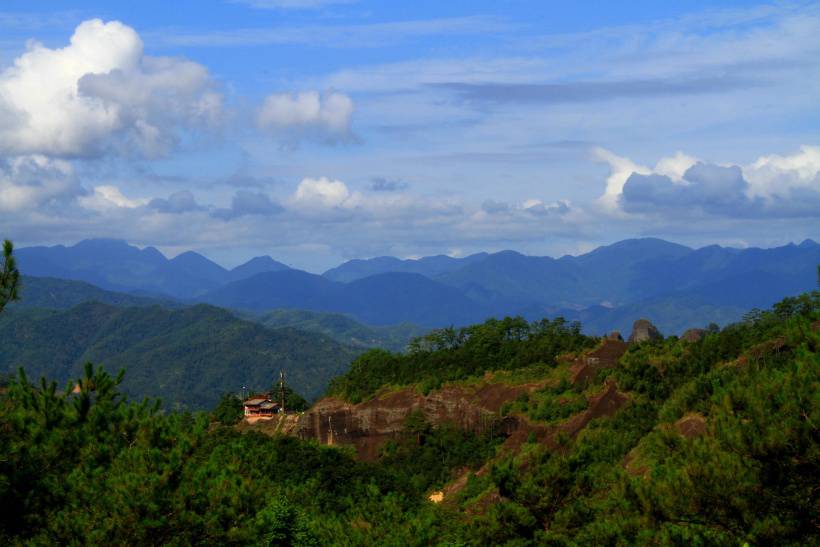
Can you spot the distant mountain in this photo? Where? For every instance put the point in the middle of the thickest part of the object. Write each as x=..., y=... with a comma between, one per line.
x=256, y=265
x=429, y=266
x=634, y=270
x=188, y=357
x=342, y=328
x=60, y=294
x=508, y=279
x=116, y=265
x=377, y=300
x=392, y=298
x=47, y=292
x=267, y=291
x=603, y=286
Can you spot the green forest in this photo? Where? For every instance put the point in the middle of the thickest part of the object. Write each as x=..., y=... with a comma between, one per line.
x=170, y=353
x=93, y=467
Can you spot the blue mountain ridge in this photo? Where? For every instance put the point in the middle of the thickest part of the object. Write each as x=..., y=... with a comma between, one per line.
x=673, y=282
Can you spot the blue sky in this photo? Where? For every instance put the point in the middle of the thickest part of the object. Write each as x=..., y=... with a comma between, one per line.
x=317, y=131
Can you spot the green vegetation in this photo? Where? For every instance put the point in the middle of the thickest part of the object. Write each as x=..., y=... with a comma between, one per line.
x=450, y=354
x=9, y=276
x=188, y=357
x=62, y=294
x=94, y=468
x=342, y=328
x=228, y=410
x=751, y=477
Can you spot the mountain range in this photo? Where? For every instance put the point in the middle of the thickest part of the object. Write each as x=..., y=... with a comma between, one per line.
x=673, y=285
x=172, y=354
x=115, y=265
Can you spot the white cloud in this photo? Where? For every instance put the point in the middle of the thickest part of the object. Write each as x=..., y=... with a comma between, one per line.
x=74, y=101
x=325, y=116
x=620, y=170
x=538, y=207
x=773, y=186
x=28, y=182
x=107, y=197
x=675, y=166
x=321, y=193
x=777, y=175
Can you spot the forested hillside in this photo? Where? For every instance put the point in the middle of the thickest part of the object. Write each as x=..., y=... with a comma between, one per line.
x=715, y=442
x=187, y=356
x=342, y=328
x=62, y=294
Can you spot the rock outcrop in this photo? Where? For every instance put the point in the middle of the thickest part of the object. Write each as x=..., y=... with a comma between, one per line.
x=644, y=331
x=693, y=335
x=615, y=335
x=368, y=425
x=606, y=355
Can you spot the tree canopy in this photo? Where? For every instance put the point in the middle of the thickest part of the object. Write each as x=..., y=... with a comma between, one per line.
x=9, y=276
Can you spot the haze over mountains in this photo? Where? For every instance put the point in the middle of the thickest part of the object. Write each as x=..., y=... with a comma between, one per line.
x=174, y=354
x=115, y=265
x=673, y=285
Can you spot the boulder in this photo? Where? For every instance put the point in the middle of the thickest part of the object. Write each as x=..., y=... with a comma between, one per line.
x=644, y=331
x=693, y=335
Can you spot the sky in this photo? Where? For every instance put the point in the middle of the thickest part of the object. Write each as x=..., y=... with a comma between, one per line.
x=316, y=131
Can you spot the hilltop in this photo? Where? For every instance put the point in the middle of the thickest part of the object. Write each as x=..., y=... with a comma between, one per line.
x=188, y=357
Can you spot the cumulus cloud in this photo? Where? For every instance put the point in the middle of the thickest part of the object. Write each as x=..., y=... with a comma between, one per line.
x=28, y=182
x=246, y=203
x=772, y=175
x=178, y=202
x=107, y=197
x=771, y=187
x=308, y=114
x=100, y=92
x=321, y=193
x=621, y=169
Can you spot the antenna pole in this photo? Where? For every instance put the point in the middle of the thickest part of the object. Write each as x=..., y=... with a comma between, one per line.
x=282, y=389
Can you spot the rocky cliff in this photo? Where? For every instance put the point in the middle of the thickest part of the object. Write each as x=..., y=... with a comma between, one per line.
x=367, y=425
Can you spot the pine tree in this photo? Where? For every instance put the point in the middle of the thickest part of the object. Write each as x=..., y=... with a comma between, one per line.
x=9, y=276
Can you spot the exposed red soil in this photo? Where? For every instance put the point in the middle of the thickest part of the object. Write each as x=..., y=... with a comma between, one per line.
x=691, y=426
x=367, y=426
x=606, y=355
x=631, y=467
x=764, y=349
x=603, y=405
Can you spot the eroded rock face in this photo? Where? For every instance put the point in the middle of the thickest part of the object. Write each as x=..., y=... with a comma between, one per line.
x=370, y=424
x=606, y=355
x=693, y=335
x=644, y=331
x=367, y=426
